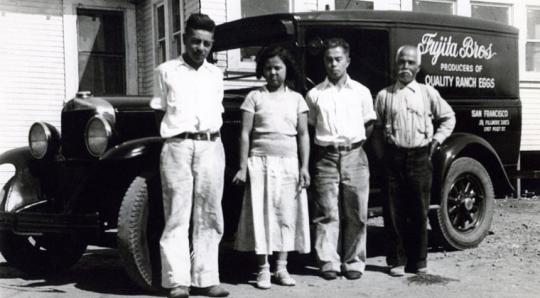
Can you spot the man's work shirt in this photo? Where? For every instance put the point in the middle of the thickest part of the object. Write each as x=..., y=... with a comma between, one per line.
x=339, y=113
x=406, y=114
x=191, y=98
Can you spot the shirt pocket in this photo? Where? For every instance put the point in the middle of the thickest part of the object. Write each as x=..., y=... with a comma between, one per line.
x=421, y=121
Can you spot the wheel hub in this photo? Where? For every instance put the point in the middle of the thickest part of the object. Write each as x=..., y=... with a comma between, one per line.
x=468, y=203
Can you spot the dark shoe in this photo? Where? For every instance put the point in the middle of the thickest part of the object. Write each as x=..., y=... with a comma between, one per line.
x=353, y=274
x=212, y=291
x=179, y=292
x=329, y=275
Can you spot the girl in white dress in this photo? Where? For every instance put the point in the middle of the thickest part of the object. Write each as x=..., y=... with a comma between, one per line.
x=274, y=153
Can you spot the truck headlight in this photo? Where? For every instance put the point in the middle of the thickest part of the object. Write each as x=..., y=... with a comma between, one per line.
x=97, y=135
x=43, y=140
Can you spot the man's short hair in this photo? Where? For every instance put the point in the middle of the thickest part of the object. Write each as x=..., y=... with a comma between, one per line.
x=337, y=42
x=200, y=21
x=403, y=47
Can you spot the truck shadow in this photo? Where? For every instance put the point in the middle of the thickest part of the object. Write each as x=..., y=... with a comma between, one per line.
x=101, y=271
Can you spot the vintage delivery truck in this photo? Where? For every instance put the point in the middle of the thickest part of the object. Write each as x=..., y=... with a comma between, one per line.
x=95, y=180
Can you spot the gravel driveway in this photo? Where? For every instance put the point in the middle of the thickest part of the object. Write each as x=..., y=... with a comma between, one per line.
x=506, y=264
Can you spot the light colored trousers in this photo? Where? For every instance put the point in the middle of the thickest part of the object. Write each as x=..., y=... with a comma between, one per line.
x=192, y=182
x=341, y=183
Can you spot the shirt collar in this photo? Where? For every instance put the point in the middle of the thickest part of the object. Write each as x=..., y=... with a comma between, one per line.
x=285, y=89
x=182, y=62
x=347, y=83
x=413, y=86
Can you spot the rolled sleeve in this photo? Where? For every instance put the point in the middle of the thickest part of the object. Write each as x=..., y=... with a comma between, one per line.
x=367, y=107
x=379, y=104
x=249, y=103
x=159, y=99
x=312, y=114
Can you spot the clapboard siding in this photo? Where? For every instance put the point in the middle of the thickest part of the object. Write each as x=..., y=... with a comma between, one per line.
x=32, y=86
x=530, y=99
x=145, y=46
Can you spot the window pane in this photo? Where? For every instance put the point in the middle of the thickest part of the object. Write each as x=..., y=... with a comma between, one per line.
x=176, y=15
x=177, y=44
x=261, y=7
x=353, y=4
x=433, y=7
x=249, y=53
x=533, y=23
x=491, y=13
x=161, y=54
x=100, y=31
x=101, y=74
x=532, y=54
x=160, y=19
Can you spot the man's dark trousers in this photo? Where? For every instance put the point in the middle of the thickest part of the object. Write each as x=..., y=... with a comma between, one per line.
x=406, y=204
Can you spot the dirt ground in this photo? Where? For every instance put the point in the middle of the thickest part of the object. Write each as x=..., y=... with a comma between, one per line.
x=506, y=264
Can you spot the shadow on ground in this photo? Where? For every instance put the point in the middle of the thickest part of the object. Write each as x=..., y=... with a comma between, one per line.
x=101, y=271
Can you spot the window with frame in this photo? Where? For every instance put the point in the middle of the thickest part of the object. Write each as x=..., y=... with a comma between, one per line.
x=168, y=30
x=353, y=4
x=532, y=48
x=161, y=42
x=492, y=12
x=435, y=6
x=101, y=51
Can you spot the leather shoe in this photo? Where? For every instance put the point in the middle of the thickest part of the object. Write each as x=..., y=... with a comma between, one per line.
x=212, y=291
x=179, y=292
x=329, y=275
x=353, y=274
x=422, y=270
x=397, y=271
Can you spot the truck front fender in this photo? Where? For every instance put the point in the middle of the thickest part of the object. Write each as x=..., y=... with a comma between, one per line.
x=23, y=188
x=469, y=145
x=134, y=148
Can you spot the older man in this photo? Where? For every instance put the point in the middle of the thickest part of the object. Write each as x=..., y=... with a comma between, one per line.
x=341, y=111
x=188, y=94
x=406, y=112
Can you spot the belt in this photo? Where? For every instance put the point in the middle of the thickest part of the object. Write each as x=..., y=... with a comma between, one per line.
x=338, y=148
x=198, y=136
x=397, y=149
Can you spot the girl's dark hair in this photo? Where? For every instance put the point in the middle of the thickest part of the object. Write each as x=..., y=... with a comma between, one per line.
x=291, y=80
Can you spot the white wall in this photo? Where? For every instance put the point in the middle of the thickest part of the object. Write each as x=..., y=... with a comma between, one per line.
x=32, y=69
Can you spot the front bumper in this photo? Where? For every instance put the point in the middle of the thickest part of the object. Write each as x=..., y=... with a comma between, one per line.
x=30, y=223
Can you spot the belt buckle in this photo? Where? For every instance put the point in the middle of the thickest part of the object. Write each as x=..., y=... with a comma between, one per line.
x=208, y=136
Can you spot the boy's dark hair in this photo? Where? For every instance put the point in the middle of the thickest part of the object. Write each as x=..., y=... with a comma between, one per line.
x=337, y=42
x=200, y=21
x=273, y=51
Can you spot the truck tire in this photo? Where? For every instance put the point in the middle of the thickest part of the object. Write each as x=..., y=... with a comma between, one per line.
x=37, y=255
x=140, y=223
x=467, y=205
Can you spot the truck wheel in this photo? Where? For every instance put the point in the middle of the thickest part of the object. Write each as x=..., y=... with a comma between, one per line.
x=467, y=205
x=140, y=223
x=49, y=253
